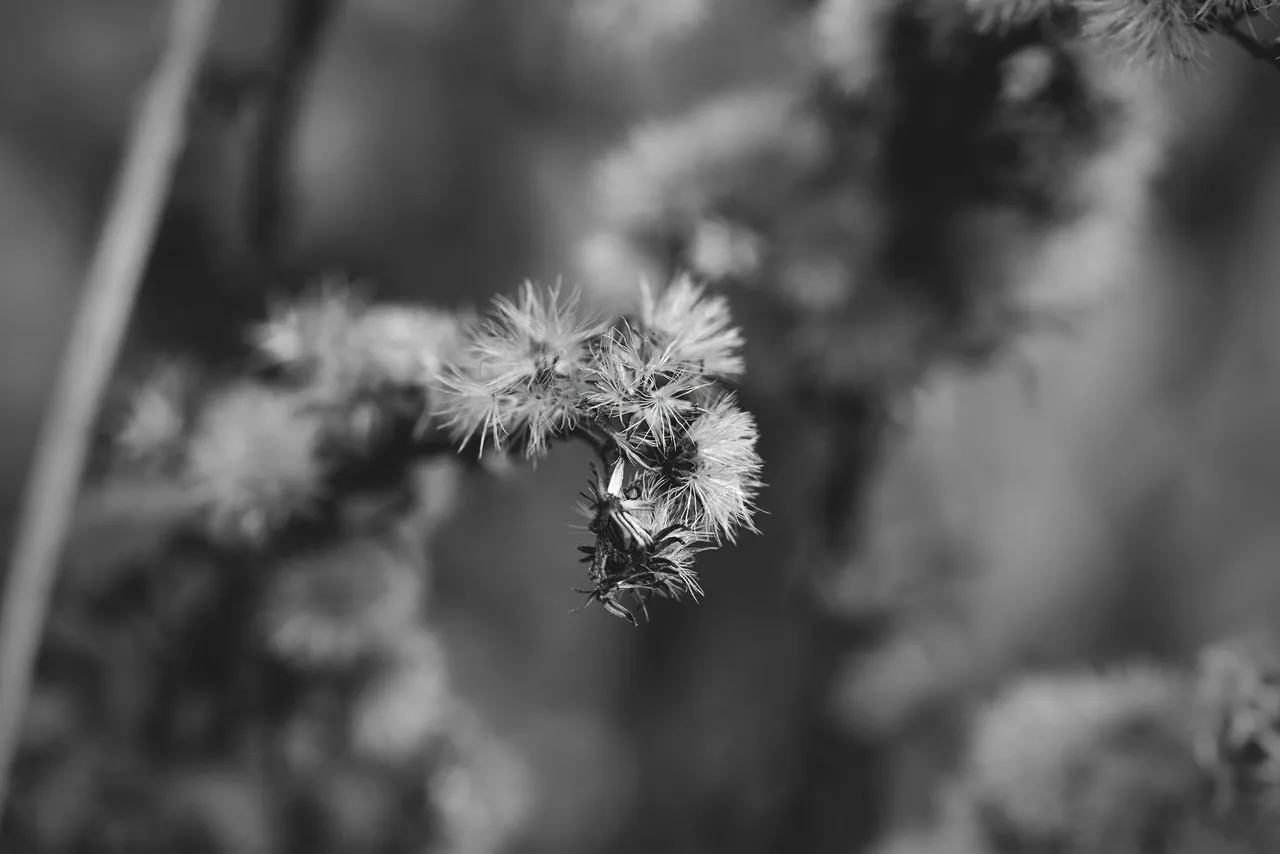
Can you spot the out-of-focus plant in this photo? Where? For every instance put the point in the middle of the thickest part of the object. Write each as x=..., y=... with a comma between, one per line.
x=1140, y=758
x=253, y=543
x=1164, y=31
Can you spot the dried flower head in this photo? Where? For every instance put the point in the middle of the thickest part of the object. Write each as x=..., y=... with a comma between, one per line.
x=635, y=385
x=640, y=549
x=518, y=378
x=677, y=467
x=714, y=475
x=691, y=329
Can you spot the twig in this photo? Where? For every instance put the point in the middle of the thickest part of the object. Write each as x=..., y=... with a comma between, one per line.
x=111, y=285
x=1228, y=25
x=1270, y=54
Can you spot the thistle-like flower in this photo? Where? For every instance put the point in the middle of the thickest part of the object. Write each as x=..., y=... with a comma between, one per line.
x=691, y=329
x=714, y=474
x=637, y=382
x=678, y=470
x=519, y=377
x=640, y=549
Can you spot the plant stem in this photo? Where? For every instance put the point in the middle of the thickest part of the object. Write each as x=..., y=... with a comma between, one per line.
x=1248, y=42
x=97, y=331
x=1270, y=54
x=595, y=438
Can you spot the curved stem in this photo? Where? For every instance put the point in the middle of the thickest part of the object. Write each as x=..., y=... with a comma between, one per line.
x=601, y=443
x=1248, y=42
x=111, y=286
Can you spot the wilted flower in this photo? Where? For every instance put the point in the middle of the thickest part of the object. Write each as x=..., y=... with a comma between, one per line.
x=640, y=550
x=519, y=375
x=692, y=329
x=714, y=474
x=522, y=341
x=637, y=383
x=678, y=454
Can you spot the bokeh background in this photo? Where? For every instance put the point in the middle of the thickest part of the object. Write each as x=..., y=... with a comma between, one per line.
x=1123, y=508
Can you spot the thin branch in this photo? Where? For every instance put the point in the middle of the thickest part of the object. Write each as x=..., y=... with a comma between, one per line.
x=595, y=438
x=1268, y=53
x=1229, y=25
x=110, y=289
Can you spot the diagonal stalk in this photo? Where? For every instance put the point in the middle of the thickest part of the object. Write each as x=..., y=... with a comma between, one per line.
x=111, y=285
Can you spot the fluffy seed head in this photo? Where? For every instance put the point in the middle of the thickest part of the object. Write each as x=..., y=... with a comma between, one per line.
x=715, y=482
x=692, y=328
x=520, y=375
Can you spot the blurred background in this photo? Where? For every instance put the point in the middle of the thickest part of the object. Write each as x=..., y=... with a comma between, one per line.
x=440, y=148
